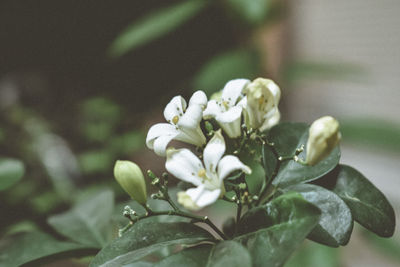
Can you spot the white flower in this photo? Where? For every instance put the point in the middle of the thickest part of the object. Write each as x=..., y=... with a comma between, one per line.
x=261, y=104
x=184, y=124
x=207, y=178
x=323, y=136
x=226, y=111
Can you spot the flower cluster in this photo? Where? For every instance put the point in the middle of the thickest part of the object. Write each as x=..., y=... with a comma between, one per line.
x=254, y=103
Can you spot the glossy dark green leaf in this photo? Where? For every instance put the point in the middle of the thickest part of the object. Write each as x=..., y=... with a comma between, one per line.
x=368, y=205
x=145, y=238
x=11, y=171
x=224, y=67
x=252, y=12
x=287, y=137
x=336, y=223
x=287, y=208
x=23, y=248
x=229, y=253
x=193, y=257
x=292, y=219
x=88, y=222
x=154, y=26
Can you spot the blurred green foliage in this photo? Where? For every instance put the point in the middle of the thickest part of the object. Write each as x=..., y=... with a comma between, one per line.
x=312, y=254
x=154, y=25
x=11, y=170
x=229, y=65
x=371, y=132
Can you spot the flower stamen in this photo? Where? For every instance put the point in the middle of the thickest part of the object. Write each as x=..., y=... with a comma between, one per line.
x=175, y=119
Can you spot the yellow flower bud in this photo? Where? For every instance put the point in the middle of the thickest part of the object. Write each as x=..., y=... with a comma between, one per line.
x=323, y=136
x=131, y=179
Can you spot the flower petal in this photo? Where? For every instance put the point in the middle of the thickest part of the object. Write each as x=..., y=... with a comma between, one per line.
x=184, y=165
x=176, y=107
x=271, y=119
x=233, y=89
x=230, y=163
x=230, y=115
x=158, y=130
x=198, y=98
x=192, y=117
x=214, y=151
x=212, y=110
x=197, y=198
x=161, y=143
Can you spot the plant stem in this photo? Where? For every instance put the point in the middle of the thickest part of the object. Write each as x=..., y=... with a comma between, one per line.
x=279, y=159
x=268, y=182
x=150, y=213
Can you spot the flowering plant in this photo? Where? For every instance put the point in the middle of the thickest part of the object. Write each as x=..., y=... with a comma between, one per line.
x=304, y=191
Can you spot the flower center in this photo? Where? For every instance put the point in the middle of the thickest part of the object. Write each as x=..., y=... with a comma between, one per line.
x=225, y=104
x=202, y=173
x=175, y=119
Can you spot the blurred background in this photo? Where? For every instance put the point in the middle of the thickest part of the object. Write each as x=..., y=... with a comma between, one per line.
x=81, y=82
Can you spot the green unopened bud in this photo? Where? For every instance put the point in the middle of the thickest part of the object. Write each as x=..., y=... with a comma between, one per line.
x=209, y=127
x=323, y=136
x=151, y=175
x=131, y=179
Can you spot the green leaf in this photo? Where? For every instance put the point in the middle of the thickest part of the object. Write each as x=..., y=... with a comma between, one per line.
x=253, y=12
x=154, y=26
x=242, y=63
x=145, y=238
x=336, y=223
x=287, y=137
x=229, y=253
x=368, y=205
x=22, y=248
x=88, y=222
x=292, y=219
x=287, y=208
x=193, y=257
x=11, y=171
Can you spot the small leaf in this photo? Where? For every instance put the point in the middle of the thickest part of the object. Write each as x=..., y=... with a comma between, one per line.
x=336, y=223
x=193, y=257
x=145, y=238
x=287, y=137
x=287, y=208
x=253, y=12
x=11, y=171
x=22, y=248
x=242, y=63
x=88, y=222
x=229, y=253
x=368, y=205
x=292, y=219
x=154, y=26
